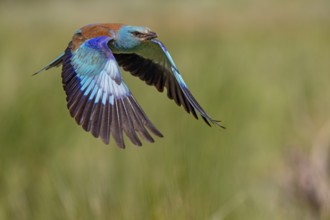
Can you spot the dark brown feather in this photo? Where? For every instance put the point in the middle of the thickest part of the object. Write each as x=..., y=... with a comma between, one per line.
x=115, y=127
x=86, y=116
x=127, y=124
x=136, y=120
x=96, y=118
x=105, y=123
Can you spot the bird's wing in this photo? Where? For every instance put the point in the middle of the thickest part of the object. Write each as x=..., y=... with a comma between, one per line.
x=98, y=98
x=153, y=64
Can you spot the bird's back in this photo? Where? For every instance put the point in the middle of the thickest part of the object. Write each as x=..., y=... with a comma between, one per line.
x=94, y=30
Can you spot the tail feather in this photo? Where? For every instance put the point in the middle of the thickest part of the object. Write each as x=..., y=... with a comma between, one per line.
x=55, y=63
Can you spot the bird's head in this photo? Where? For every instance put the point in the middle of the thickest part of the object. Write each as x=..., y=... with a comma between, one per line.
x=130, y=37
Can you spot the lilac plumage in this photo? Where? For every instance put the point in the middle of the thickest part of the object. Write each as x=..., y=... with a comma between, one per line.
x=97, y=96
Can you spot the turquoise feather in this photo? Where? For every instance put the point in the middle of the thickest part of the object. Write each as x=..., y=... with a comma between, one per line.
x=97, y=96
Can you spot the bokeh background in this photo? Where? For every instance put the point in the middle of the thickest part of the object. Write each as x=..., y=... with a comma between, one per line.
x=262, y=67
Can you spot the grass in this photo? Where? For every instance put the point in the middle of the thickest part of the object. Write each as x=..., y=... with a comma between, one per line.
x=262, y=70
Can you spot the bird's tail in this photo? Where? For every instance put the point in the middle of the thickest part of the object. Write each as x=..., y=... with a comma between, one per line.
x=55, y=63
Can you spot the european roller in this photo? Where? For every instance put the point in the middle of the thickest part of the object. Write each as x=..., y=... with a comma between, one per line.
x=97, y=96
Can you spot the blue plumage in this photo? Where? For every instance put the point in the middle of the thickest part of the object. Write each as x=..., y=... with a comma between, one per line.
x=97, y=96
x=99, y=93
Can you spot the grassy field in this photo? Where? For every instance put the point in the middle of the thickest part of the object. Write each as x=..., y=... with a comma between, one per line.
x=261, y=67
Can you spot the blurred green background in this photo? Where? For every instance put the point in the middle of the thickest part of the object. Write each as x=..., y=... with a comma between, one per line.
x=262, y=67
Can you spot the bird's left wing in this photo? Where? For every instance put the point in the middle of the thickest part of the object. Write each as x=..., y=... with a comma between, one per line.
x=98, y=98
x=153, y=64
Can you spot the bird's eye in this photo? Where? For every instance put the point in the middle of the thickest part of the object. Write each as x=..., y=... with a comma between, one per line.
x=136, y=34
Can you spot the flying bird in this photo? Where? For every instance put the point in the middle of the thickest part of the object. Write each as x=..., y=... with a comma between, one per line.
x=97, y=96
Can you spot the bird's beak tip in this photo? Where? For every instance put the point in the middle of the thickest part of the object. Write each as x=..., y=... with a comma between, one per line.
x=150, y=35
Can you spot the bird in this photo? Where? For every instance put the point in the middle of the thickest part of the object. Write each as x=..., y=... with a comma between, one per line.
x=97, y=96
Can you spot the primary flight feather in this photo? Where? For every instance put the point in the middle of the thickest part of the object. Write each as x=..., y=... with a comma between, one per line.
x=98, y=98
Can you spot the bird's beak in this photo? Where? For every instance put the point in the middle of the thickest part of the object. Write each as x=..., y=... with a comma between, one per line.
x=149, y=35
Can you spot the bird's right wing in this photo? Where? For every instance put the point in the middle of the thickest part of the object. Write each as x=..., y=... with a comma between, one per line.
x=153, y=64
x=98, y=98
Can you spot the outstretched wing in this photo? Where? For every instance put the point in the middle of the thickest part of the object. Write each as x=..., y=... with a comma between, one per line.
x=98, y=98
x=153, y=64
